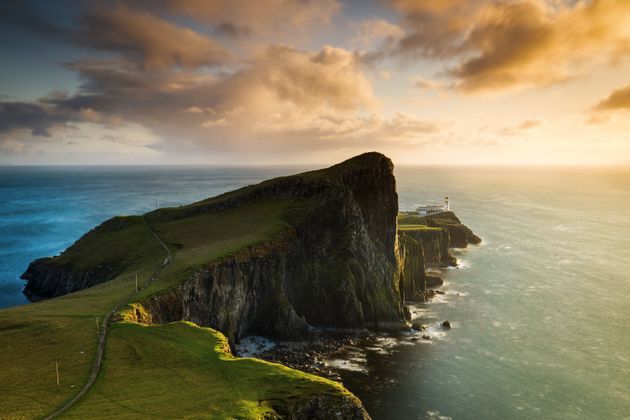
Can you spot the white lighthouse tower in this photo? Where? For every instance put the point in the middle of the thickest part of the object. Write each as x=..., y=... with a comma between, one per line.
x=447, y=206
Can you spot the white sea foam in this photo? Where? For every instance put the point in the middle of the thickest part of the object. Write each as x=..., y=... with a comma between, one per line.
x=351, y=365
x=462, y=264
x=435, y=415
x=254, y=345
x=379, y=350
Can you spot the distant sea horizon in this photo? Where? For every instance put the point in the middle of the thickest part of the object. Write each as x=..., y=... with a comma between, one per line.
x=539, y=310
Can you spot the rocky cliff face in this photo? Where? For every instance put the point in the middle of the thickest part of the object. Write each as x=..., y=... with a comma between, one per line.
x=337, y=267
x=47, y=279
x=423, y=248
x=76, y=269
x=435, y=246
x=460, y=235
x=341, y=263
x=413, y=276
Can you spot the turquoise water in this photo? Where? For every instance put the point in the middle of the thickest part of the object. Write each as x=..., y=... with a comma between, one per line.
x=540, y=325
x=43, y=210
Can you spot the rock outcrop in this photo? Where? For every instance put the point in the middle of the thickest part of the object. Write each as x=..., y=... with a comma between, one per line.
x=74, y=270
x=428, y=246
x=47, y=279
x=460, y=235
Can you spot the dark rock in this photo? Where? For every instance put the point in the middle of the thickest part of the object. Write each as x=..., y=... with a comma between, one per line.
x=418, y=327
x=446, y=325
x=460, y=235
x=433, y=282
x=46, y=279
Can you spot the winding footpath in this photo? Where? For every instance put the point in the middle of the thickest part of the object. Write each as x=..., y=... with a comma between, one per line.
x=98, y=361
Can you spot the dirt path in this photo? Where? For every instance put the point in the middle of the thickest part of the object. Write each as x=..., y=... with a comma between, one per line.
x=98, y=361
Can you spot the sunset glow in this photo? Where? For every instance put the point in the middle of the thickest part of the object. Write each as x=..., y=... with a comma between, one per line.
x=292, y=81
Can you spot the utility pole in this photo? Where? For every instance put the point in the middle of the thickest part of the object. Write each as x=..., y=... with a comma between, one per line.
x=57, y=372
x=97, y=332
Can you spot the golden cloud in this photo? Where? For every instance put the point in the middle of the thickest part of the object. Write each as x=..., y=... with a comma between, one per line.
x=506, y=44
x=619, y=99
x=525, y=126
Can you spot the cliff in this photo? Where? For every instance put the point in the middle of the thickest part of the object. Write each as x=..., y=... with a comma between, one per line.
x=336, y=258
x=460, y=235
x=333, y=264
x=99, y=256
x=323, y=249
x=425, y=242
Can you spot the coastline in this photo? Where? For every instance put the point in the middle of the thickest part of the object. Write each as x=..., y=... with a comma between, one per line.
x=331, y=352
x=314, y=249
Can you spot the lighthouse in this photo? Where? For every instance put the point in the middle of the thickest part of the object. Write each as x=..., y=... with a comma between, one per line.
x=446, y=205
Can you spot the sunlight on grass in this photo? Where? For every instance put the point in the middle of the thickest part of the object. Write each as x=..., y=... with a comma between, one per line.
x=145, y=364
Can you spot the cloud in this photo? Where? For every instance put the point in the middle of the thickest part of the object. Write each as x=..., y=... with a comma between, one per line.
x=149, y=40
x=276, y=98
x=35, y=118
x=374, y=31
x=373, y=128
x=12, y=147
x=513, y=43
x=525, y=126
x=153, y=41
x=619, y=99
x=232, y=30
x=262, y=16
x=282, y=90
x=422, y=83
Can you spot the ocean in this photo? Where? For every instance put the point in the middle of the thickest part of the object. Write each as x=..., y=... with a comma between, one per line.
x=540, y=310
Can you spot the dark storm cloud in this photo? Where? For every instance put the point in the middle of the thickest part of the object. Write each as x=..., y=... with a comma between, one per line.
x=33, y=117
x=136, y=34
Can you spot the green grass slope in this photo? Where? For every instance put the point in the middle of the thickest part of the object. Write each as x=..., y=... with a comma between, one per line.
x=202, y=238
x=181, y=370
x=171, y=370
x=410, y=222
x=33, y=337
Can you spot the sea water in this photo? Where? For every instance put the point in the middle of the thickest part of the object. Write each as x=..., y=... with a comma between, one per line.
x=540, y=310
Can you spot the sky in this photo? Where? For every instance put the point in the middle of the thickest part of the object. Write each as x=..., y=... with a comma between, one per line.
x=257, y=82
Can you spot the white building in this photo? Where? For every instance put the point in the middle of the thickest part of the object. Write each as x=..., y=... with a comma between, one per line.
x=423, y=210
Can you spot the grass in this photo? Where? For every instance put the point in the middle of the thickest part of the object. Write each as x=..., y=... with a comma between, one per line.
x=171, y=370
x=201, y=239
x=145, y=364
x=410, y=219
x=417, y=227
x=33, y=337
x=120, y=241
